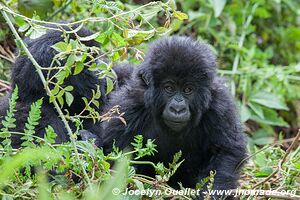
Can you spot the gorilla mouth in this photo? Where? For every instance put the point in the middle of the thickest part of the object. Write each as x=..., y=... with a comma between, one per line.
x=176, y=125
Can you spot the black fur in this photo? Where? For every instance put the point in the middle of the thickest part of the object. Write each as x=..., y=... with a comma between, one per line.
x=214, y=138
x=124, y=72
x=31, y=89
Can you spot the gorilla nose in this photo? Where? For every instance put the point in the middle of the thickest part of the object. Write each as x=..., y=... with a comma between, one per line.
x=178, y=109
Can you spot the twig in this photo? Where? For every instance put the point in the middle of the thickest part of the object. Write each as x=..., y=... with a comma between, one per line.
x=6, y=54
x=252, y=155
x=6, y=58
x=4, y=85
x=266, y=179
x=289, y=150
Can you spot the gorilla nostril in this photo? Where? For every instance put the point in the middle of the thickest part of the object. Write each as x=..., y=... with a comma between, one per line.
x=173, y=110
x=182, y=110
x=177, y=109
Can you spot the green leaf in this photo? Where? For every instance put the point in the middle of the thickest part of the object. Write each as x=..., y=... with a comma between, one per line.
x=115, y=56
x=70, y=61
x=271, y=118
x=9, y=122
x=36, y=32
x=60, y=46
x=69, y=88
x=245, y=113
x=78, y=68
x=69, y=98
x=264, y=172
x=61, y=77
x=24, y=28
x=257, y=109
x=117, y=40
x=60, y=94
x=130, y=33
x=218, y=6
x=263, y=140
x=32, y=121
x=103, y=36
x=269, y=100
x=20, y=21
x=50, y=135
x=55, y=90
x=110, y=85
x=60, y=100
x=180, y=15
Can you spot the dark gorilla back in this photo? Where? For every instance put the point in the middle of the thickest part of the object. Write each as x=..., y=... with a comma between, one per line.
x=31, y=89
x=176, y=98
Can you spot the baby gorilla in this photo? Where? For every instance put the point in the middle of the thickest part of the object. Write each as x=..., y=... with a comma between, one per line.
x=176, y=98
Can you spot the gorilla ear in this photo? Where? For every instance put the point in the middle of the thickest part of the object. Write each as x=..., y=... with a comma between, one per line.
x=145, y=77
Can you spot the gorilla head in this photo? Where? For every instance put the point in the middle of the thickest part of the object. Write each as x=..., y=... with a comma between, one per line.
x=178, y=73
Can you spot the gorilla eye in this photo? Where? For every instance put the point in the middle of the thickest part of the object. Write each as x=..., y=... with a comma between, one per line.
x=188, y=89
x=169, y=88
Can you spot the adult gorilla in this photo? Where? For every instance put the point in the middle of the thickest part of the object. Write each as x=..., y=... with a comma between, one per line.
x=176, y=98
x=31, y=89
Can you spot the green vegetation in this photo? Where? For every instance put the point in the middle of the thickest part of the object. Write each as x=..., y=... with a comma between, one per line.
x=258, y=46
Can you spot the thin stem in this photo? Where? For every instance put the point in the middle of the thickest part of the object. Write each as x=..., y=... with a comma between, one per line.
x=134, y=162
x=6, y=58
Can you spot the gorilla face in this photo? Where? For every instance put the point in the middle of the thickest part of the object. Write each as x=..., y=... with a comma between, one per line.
x=177, y=76
x=176, y=113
